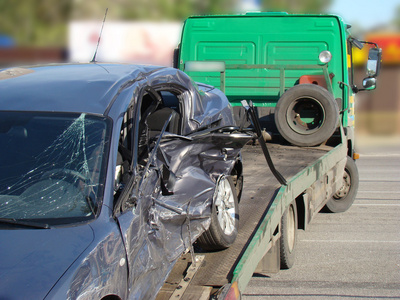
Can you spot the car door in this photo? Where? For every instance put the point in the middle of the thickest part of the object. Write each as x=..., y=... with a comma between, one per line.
x=153, y=242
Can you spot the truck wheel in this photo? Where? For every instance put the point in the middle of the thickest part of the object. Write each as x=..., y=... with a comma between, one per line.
x=224, y=217
x=288, y=236
x=344, y=197
x=306, y=115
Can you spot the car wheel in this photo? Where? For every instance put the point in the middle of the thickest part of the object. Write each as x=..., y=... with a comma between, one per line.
x=306, y=115
x=344, y=197
x=224, y=217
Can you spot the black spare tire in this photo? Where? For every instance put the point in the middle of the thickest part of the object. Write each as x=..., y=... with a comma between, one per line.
x=306, y=115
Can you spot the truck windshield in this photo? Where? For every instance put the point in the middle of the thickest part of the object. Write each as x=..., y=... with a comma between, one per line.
x=51, y=166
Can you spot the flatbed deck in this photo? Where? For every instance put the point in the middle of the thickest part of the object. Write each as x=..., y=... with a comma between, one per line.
x=259, y=192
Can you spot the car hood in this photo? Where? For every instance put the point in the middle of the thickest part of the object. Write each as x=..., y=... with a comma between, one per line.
x=32, y=261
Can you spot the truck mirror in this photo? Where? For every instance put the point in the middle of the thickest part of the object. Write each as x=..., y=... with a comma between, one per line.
x=374, y=62
x=369, y=83
x=357, y=43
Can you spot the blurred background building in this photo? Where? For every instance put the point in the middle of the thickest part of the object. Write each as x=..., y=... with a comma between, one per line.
x=147, y=31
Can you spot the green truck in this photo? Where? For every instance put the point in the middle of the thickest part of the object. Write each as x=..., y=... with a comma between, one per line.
x=296, y=68
x=295, y=71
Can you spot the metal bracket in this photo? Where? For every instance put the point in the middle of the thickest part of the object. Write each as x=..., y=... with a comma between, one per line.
x=250, y=110
x=191, y=272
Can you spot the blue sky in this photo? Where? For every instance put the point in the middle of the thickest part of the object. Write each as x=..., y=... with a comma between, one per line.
x=365, y=13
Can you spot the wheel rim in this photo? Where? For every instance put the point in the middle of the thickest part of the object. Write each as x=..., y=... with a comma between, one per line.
x=291, y=228
x=305, y=115
x=344, y=190
x=225, y=207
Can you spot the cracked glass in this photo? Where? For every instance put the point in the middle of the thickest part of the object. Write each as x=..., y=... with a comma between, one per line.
x=51, y=165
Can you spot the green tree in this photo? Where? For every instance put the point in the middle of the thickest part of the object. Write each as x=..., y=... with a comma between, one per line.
x=45, y=22
x=149, y=10
x=35, y=22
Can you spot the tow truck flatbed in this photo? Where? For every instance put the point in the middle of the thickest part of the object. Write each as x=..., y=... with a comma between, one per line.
x=312, y=174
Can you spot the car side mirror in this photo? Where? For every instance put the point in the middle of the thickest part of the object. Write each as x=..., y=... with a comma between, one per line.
x=374, y=62
x=369, y=83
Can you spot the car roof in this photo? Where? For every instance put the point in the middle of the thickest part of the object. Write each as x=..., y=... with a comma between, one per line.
x=87, y=88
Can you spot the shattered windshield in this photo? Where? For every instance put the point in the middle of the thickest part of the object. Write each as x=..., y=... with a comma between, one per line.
x=51, y=165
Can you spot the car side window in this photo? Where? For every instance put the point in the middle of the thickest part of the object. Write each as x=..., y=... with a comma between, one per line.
x=154, y=108
x=169, y=106
x=170, y=100
x=133, y=150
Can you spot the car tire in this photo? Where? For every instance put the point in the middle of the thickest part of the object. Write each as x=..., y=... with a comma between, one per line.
x=288, y=238
x=344, y=198
x=306, y=115
x=224, y=225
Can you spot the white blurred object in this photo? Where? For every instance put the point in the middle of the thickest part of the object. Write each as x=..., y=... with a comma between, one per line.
x=249, y=5
x=130, y=42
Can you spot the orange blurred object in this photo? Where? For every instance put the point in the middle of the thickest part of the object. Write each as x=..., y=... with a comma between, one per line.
x=390, y=44
x=313, y=79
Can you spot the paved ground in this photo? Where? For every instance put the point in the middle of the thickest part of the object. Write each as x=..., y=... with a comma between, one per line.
x=352, y=255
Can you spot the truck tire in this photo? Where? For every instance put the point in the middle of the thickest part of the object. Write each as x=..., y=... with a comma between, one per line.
x=344, y=197
x=288, y=238
x=224, y=217
x=306, y=115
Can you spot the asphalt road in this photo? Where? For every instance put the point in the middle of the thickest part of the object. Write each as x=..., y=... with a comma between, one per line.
x=351, y=255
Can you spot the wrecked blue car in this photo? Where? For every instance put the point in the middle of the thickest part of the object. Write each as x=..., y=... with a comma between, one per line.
x=108, y=173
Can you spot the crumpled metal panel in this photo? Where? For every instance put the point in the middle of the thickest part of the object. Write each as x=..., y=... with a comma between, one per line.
x=203, y=105
x=101, y=272
x=163, y=226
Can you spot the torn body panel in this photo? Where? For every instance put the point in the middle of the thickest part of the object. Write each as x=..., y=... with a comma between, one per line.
x=161, y=227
